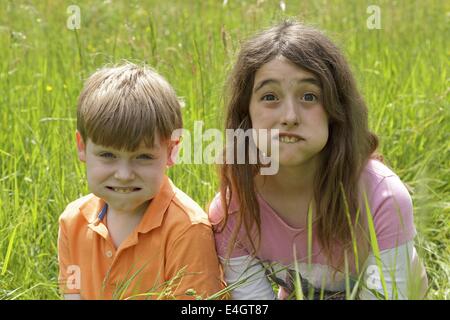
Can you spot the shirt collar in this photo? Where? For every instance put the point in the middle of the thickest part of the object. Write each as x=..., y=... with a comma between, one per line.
x=91, y=209
x=154, y=214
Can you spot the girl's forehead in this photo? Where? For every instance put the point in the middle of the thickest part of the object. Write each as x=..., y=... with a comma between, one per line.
x=279, y=71
x=279, y=67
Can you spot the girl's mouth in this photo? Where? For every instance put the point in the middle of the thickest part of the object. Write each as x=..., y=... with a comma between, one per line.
x=289, y=137
x=286, y=139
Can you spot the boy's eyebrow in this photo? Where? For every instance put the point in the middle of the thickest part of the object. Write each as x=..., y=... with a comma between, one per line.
x=102, y=148
x=261, y=84
x=138, y=151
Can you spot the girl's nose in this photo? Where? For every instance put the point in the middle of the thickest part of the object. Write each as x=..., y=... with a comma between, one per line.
x=289, y=117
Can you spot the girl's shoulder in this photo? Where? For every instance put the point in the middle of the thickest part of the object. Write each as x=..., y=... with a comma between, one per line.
x=216, y=210
x=390, y=204
x=379, y=179
x=377, y=171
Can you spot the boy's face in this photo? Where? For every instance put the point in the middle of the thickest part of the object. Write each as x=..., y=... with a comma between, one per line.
x=125, y=180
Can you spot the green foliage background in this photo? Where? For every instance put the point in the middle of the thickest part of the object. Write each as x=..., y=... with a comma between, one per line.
x=402, y=70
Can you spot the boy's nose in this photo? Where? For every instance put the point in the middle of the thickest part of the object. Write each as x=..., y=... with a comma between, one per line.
x=124, y=173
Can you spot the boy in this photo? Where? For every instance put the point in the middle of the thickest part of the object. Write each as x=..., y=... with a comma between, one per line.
x=136, y=235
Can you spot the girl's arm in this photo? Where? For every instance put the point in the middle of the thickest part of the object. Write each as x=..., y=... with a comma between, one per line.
x=391, y=208
x=244, y=274
x=404, y=275
x=247, y=276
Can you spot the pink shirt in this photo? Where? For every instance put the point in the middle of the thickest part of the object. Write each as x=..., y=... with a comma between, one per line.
x=389, y=202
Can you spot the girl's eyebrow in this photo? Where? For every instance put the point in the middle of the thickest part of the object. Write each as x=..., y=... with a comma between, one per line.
x=312, y=81
x=265, y=82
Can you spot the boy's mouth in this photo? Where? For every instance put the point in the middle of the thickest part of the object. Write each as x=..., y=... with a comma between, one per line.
x=124, y=189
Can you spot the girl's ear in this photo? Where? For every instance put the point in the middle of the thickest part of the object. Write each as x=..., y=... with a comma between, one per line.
x=174, y=149
x=81, y=146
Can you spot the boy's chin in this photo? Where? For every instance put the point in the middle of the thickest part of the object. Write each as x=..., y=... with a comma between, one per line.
x=126, y=201
x=126, y=206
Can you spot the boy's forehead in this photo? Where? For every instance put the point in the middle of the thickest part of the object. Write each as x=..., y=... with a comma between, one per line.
x=143, y=146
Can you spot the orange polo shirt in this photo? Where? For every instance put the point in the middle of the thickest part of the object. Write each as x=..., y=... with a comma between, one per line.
x=172, y=250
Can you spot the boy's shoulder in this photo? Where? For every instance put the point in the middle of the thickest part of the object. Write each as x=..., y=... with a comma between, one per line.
x=73, y=209
x=191, y=211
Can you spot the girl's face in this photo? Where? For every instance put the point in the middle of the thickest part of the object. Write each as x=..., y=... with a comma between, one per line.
x=289, y=98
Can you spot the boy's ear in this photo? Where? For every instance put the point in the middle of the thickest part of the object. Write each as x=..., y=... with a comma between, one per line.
x=174, y=149
x=81, y=146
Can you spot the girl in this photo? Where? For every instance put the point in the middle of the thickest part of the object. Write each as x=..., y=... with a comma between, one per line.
x=310, y=223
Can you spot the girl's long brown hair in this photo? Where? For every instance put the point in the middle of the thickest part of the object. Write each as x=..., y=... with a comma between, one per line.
x=350, y=143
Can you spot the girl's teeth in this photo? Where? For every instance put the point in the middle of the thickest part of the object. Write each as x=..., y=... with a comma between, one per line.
x=289, y=139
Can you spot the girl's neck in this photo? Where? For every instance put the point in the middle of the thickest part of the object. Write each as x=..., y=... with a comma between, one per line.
x=289, y=180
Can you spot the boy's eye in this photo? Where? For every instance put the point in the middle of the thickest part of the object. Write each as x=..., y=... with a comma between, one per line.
x=310, y=97
x=145, y=157
x=269, y=97
x=107, y=155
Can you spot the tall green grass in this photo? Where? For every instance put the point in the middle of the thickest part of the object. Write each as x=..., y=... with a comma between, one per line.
x=402, y=71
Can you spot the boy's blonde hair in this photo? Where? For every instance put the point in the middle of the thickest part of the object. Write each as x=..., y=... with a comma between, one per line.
x=121, y=106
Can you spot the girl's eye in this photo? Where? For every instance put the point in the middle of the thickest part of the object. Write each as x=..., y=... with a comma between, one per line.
x=107, y=155
x=310, y=97
x=269, y=97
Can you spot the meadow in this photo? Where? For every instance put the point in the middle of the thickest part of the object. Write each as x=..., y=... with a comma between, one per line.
x=402, y=70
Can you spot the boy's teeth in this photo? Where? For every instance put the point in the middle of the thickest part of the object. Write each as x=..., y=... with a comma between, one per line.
x=286, y=139
x=123, y=190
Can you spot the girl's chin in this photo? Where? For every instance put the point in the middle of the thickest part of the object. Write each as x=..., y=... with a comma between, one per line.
x=290, y=164
x=292, y=161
